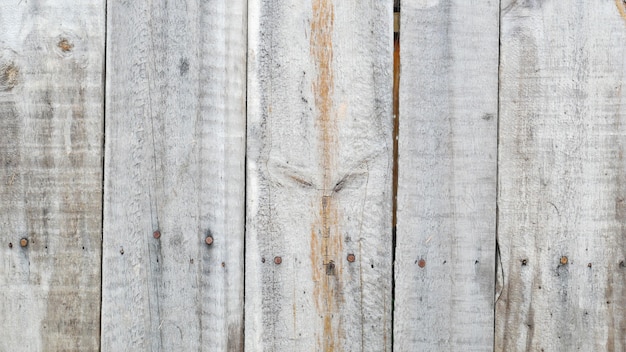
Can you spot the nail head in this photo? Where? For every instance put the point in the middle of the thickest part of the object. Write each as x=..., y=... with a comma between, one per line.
x=421, y=263
x=156, y=234
x=564, y=260
x=23, y=242
x=351, y=258
x=278, y=260
x=209, y=240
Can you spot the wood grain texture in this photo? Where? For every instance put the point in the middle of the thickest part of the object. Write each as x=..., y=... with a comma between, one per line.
x=319, y=176
x=51, y=103
x=174, y=162
x=445, y=252
x=562, y=215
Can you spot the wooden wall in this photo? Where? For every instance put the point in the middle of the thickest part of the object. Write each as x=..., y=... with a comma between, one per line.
x=280, y=175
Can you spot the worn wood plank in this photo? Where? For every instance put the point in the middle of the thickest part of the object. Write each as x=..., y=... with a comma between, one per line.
x=319, y=176
x=51, y=103
x=447, y=176
x=174, y=163
x=562, y=216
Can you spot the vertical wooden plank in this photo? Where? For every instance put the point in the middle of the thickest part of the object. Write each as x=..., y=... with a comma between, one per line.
x=51, y=103
x=562, y=215
x=318, y=240
x=447, y=176
x=174, y=163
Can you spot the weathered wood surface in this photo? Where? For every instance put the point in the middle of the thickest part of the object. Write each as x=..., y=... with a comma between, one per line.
x=446, y=220
x=319, y=176
x=175, y=150
x=562, y=214
x=51, y=90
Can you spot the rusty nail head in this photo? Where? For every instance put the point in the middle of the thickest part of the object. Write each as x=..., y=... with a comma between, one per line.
x=23, y=242
x=278, y=260
x=209, y=240
x=351, y=258
x=421, y=263
x=156, y=234
x=564, y=260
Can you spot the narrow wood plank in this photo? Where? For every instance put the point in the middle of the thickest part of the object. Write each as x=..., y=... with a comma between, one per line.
x=562, y=215
x=51, y=103
x=319, y=176
x=447, y=176
x=174, y=163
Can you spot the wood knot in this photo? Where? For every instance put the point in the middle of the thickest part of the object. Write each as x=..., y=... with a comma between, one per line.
x=9, y=74
x=65, y=45
x=330, y=268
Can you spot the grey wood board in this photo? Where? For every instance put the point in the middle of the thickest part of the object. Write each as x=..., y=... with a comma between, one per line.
x=174, y=163
x=51, y=121
x=319, y=176
x=446, y=217
x=562, y=216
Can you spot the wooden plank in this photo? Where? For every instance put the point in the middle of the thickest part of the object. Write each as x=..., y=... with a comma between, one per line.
x=444, y=272
x=51, y=103
x=174, y=163
x=319, y=176
x=562, y=215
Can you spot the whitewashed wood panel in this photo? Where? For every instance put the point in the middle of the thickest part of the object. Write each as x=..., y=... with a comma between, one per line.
x=562, y=214
x=51, y=103
x=445, y=254
x=319, y=176
x=174, y=163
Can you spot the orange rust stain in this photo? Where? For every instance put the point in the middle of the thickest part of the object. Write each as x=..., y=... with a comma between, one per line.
x=621, y=7
x=326, y=243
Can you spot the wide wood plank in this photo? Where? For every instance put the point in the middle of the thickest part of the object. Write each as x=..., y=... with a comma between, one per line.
x=445, y=254
x=175, y=137
x=318, y=240
x=562, y=214
x=51, y=118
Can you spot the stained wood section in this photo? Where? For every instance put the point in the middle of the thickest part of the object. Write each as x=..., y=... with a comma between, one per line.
x=444, y=272
x=175, y=150
x=51, y=94
x=562, y=215
x=319, y=176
